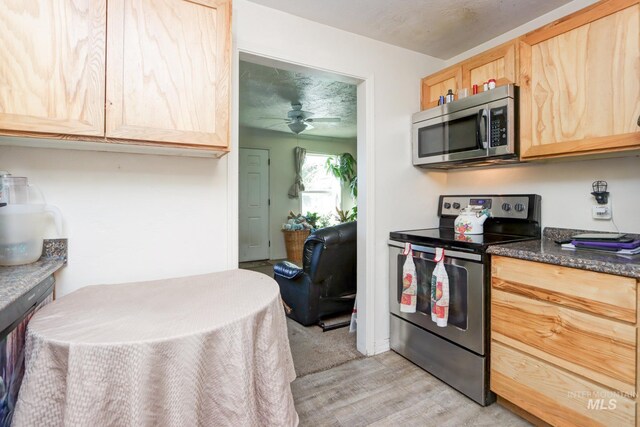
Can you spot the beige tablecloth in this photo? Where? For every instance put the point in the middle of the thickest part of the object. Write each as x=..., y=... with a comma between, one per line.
x=209, y=350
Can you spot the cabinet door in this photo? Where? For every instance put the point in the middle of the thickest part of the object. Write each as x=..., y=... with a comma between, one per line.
x=499, y=63
x=439, y=84
x=168, y=71
x=52, y=60
x=580, y=80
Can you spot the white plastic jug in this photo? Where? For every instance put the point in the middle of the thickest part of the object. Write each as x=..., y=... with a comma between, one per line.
x=24, y=217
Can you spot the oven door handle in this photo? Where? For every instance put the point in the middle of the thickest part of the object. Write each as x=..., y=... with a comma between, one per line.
x=482, y=142
x=449, y=253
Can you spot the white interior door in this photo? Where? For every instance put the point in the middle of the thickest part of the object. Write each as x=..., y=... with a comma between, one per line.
x=254, y=204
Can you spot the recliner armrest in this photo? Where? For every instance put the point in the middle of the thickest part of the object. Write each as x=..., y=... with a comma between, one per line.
x=287, y=269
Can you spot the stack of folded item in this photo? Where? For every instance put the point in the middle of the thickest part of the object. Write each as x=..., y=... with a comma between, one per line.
x=617, y=244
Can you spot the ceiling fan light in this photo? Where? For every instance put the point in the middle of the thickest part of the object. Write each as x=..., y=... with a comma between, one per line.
x=297, y=127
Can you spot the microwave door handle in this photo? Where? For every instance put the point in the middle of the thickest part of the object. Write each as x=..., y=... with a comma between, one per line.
x=480, y=139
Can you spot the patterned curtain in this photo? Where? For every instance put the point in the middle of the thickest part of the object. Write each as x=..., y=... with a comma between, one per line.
x=298, y=157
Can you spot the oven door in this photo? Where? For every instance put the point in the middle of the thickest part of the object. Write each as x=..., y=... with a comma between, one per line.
x=466, y=325
x=457, y=136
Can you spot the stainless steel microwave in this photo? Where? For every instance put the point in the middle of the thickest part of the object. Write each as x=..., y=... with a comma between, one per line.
x=473, y=131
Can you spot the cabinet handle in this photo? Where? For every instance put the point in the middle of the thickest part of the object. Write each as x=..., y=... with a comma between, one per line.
x=638, y=120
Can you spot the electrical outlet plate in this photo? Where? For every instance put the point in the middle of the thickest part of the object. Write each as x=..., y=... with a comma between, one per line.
x=601, y=211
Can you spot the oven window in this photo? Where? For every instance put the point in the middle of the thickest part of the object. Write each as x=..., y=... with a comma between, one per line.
x=450, y=137
x=458, y=287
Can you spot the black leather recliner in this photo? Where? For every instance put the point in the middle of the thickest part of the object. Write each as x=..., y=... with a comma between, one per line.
x=326, y=283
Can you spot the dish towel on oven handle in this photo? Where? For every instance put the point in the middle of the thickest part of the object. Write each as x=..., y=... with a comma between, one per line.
x=409, y=283
x=440, y=291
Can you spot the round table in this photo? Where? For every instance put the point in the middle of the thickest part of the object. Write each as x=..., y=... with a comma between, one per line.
x=208, y=350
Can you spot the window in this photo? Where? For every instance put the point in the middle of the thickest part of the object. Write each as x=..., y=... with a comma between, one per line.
x=322, y=190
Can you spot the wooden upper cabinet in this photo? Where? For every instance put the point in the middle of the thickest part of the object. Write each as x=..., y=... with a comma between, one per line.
x=52, y=62
x=168, y=71
x=500, y=63
x=580, y=83
x=438, y=84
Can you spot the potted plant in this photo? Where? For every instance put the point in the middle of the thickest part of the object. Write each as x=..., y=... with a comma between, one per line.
x=343, y=167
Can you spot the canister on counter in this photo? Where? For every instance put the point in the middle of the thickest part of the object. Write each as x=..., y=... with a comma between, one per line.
x=441, y=100
x=485, y=86
x=492, y=84
x=475, y=89
x=450, y=96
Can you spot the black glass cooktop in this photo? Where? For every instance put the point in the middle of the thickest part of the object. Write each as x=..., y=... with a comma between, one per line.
x=445, y=237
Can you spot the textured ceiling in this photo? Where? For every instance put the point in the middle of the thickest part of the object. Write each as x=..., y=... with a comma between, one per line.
x=440, y=28
x=266, y=95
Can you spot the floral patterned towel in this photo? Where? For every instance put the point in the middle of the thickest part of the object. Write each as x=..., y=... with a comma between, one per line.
x=409, y=283
x=440, y=291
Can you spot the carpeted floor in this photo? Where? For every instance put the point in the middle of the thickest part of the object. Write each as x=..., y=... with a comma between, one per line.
x=313, y=350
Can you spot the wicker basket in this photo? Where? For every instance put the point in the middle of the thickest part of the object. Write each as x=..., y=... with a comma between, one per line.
x=294, y=242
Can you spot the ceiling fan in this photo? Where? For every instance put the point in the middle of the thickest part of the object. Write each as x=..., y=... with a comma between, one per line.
x=299, y=120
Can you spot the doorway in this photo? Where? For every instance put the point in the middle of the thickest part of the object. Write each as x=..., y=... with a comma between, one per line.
x=366, y=342
x=307, y=122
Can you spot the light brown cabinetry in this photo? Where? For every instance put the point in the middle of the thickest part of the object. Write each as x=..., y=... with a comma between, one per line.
x=580, y=83
x=439, y=84
x=135, y=72
x=168, y=71
x=52, y=60
x=564, y=342
x=499, y=63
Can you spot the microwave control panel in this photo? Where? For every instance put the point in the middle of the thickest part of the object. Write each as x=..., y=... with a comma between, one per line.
x=498, y=131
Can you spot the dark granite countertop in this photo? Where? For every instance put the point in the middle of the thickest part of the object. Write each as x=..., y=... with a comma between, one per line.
x=18, y=280
x=547, y=251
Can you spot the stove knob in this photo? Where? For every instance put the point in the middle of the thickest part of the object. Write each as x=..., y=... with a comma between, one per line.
x=456, y=205
x=506, y=207
x=447, y=205
x=519, y=207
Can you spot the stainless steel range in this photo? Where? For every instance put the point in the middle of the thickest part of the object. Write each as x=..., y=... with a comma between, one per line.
x=458, y=353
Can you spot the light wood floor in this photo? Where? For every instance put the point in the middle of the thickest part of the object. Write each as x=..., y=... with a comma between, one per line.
x=388, y=390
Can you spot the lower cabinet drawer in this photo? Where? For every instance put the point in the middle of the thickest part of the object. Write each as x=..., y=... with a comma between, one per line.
x=553, y=394
x=600, y=349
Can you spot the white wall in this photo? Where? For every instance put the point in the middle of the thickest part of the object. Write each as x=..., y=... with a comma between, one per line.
x=564, y=185
x=130, y=217
x=396, y=195
x=282, y=172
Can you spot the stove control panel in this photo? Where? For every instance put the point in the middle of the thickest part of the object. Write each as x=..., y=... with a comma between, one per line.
x=516, y=207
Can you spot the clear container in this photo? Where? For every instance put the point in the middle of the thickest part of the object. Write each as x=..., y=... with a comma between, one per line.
x=16, y=190
x=24, y=218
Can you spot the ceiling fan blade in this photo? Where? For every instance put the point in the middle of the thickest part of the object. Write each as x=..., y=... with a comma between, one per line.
x=309, y=127
x=272, y=118
x=324, y=120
